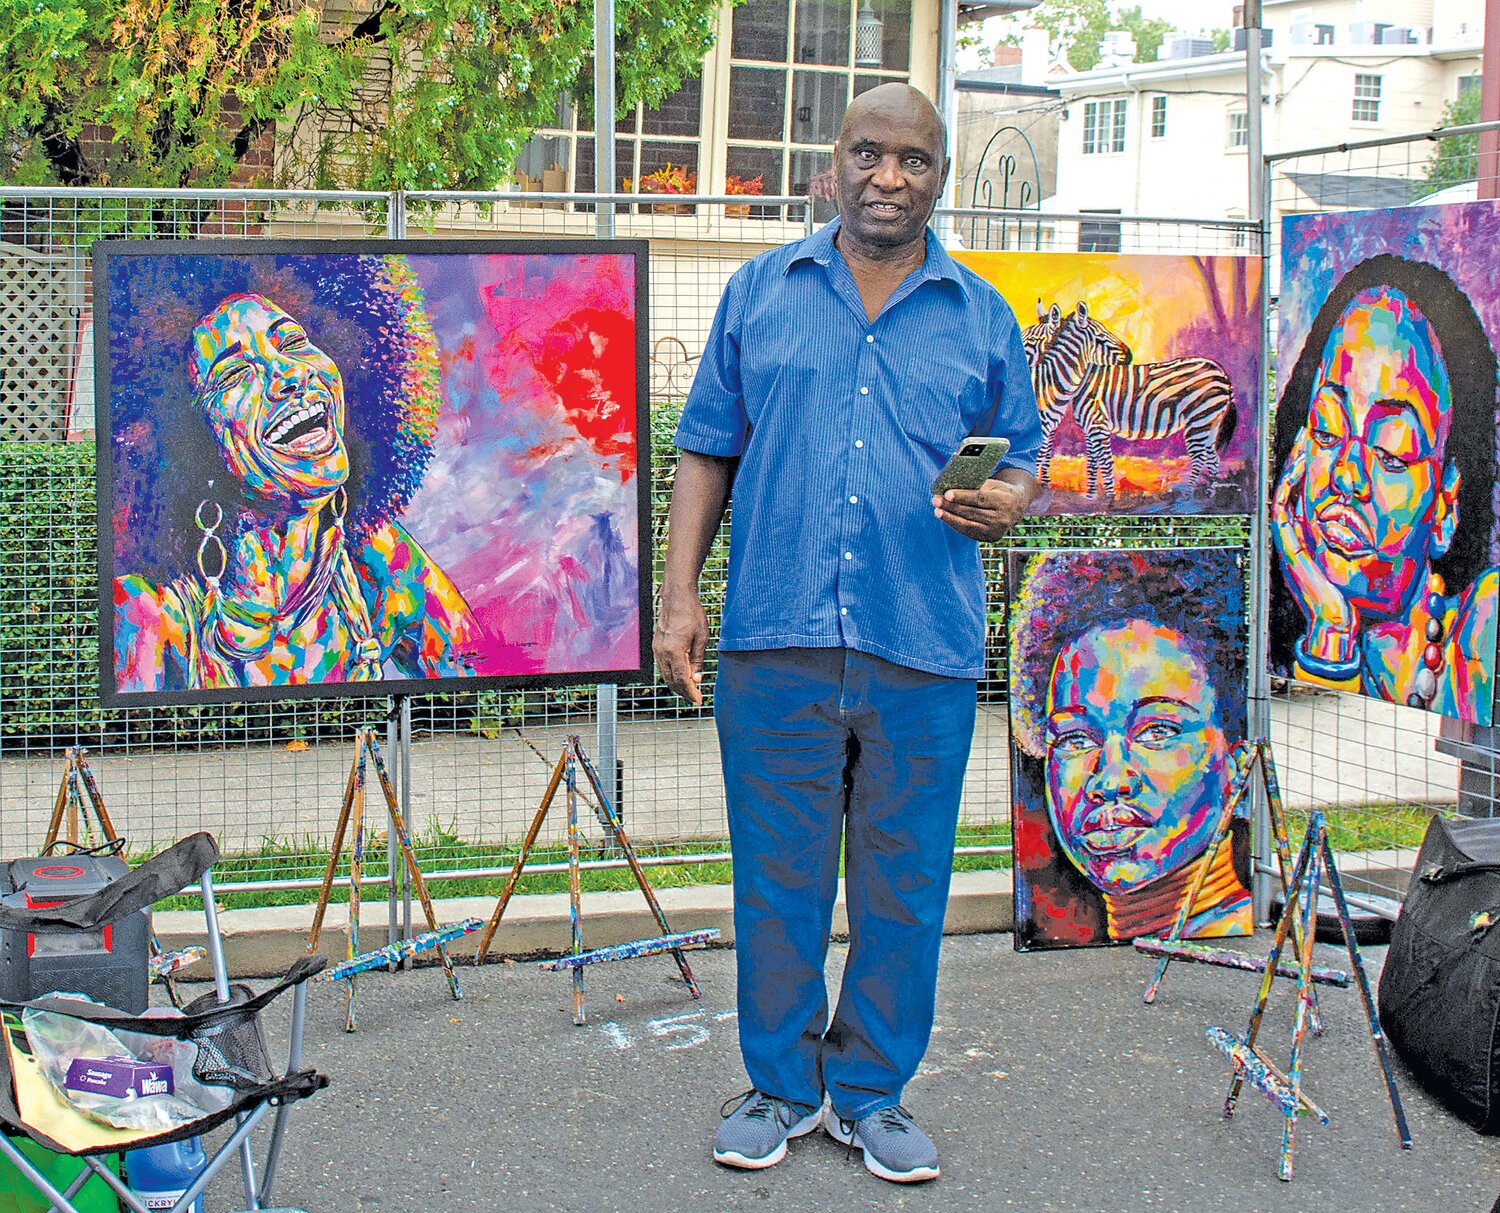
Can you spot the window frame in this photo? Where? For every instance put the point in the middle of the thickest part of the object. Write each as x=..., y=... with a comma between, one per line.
x=1237, y=134
x=1104, y=121
x=1365, y=109
x=1159, y=116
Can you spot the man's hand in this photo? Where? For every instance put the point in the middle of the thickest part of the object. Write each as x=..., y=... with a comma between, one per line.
x=989, y=512
x=680, y=641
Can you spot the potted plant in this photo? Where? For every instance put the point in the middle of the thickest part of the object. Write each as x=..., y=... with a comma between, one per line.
x=736, y=186
x=674, y=179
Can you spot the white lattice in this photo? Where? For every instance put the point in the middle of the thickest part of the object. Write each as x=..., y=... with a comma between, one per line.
x=38, y=330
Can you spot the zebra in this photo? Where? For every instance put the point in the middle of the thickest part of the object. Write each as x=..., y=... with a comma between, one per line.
x=1054, y=381
x=1086, y=366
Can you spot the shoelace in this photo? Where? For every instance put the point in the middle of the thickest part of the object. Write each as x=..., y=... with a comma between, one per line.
x=763, y=1108
x=894, y=1119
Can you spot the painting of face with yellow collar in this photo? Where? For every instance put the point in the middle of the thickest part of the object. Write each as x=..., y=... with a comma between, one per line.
x=1128, y=744
x=1383, y=520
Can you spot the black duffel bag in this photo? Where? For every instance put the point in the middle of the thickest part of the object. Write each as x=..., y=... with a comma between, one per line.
x=1440, y=989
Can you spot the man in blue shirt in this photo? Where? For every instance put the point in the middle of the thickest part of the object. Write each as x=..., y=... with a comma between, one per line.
x=840, y=374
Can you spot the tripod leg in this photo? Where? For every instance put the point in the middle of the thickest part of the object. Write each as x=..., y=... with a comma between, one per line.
x=1356, y=962
x=1277, y=813
x=336, y=848
x=635, y=865
x=356, y=872
x=55, y=825
x=575, y=890
x=1200, y=875
x=515, y=871
x=414, y=873
x=1263, y=995
x=1309, y=909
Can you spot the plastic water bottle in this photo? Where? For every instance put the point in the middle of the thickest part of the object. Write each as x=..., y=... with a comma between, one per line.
x=158, y=1175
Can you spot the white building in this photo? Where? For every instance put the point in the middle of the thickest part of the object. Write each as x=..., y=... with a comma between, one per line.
x=1169, y=138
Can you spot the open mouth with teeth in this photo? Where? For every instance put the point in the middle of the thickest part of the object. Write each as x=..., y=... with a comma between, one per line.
x=301, y=424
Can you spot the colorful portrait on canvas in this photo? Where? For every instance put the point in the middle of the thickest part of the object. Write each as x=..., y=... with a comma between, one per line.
x=326, y=470
x=1146, y=369
x=1385, y=556
x=1127, y=725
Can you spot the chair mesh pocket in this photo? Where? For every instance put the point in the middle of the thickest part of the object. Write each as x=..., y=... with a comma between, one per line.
x=231, y=1047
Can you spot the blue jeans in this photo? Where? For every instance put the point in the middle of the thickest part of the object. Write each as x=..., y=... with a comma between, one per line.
x=819, y=746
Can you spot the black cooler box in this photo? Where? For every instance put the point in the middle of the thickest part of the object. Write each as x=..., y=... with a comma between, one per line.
x=108, y=965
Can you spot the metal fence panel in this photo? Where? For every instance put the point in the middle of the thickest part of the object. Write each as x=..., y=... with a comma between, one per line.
x=268, y=778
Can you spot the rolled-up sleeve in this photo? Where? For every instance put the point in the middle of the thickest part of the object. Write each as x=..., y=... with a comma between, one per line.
x=714, y=420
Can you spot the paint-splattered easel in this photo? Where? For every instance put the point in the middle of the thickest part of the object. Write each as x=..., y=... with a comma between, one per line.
x=566, y=772
x=1315, y=863
x=1174, y=947
x=77, y=795
x=351, y=823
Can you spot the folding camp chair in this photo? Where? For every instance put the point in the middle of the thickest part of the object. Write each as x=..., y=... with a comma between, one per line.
x=231, y=1061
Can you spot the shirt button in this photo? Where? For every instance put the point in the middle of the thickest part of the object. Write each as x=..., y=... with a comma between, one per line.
x=848, y=555
x=859, y=442
x=870, y=337
x=854, y=501
x=864, y=391
x=843, y=610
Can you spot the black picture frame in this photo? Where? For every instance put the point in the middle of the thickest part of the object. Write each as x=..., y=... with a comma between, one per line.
x=109, y=253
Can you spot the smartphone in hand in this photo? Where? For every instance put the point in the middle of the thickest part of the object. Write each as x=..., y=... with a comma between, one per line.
x=972, y=464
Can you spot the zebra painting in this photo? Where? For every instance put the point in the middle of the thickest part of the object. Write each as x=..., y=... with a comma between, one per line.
x=1085, y=367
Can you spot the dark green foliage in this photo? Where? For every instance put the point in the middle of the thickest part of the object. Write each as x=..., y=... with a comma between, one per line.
x=380, y=94
x=1457, y=157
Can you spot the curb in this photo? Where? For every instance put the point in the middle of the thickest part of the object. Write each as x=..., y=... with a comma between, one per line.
x=264, y=943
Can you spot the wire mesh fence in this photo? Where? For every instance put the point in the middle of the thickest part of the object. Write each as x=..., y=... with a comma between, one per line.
x=267, y=779
x=1380, y=770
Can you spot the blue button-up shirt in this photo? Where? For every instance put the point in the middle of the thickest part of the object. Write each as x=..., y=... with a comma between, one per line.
x=841, y=426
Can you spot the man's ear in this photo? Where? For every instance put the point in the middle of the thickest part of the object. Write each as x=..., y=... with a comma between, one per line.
x=1445, y=521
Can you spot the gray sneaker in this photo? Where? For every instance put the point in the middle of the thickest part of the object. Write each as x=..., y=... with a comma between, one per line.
x=895, y=1148
x=756, y=1127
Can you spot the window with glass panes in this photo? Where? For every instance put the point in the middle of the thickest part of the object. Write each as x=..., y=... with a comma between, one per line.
x=1366, y=97
x=646, y=141
x=1158, y=117
x=794, y=66
x=1103, y=126
x=1239, y=130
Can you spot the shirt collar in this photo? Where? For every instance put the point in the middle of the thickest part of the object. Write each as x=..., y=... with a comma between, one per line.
x=819, y=247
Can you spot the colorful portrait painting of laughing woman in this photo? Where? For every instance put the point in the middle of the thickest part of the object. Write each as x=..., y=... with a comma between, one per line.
x=1383, y=511
x=1127, y=723
x=336, y=470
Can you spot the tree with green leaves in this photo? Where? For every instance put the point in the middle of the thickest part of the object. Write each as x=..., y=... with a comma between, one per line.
x=1149, y=32
x=372, y=94
x=1457, y=157
x=1075, y=25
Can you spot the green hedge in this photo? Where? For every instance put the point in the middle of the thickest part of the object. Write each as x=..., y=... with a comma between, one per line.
x=49, y=690
x=49, y=686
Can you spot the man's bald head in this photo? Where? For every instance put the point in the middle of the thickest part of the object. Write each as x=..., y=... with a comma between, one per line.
x=898, y=99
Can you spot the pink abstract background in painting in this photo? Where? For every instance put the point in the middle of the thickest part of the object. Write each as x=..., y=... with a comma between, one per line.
x=530, y=500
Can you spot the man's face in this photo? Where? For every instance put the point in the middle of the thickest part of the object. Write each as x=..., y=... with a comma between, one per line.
x=273, y=399
x=1138, y=765
x=889, y=170
x=1377, y=431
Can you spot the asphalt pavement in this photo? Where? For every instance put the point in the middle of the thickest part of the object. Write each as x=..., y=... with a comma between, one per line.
x=1048, y=1086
